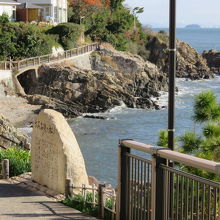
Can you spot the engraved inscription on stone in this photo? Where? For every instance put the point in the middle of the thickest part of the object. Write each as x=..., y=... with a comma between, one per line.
x=55, y=153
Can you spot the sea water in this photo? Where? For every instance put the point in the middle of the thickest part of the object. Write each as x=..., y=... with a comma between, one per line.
x=98, y=139
x=201, y=39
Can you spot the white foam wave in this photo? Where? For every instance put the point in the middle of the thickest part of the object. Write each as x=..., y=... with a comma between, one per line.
x=117, y=109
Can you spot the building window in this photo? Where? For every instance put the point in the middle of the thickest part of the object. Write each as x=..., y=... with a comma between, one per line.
x=55, y=14
x=60, y=15
x=47, y=11
x=14, y=13
x=65, y=15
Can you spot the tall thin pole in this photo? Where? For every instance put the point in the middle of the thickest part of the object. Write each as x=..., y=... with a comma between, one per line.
x=172, y=74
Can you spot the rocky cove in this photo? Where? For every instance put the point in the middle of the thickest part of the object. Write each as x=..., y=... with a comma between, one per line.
x=108, y=79
x=113, y=78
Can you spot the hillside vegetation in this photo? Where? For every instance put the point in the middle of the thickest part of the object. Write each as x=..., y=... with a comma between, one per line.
x=108, y=21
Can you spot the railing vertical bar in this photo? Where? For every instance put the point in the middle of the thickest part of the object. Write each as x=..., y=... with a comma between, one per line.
x=219, y=201
x=215, y=203
x=197, y=200
x=203, y=201
x=177, y=197
x=165, y=200
x=138, y=191
x=186, y=199
x=142, y=189
x=135, y=190
x=209, y=202
x=148, y=191
x=192, y=199
x=132, y=187
x=168, y=194
x=172, y=195
x=145, y=190
x=182, y=197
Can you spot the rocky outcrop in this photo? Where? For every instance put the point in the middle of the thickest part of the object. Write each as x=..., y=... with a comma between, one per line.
x=213, y=60
x=116, y=78
x=190, y=64
x=10, y=136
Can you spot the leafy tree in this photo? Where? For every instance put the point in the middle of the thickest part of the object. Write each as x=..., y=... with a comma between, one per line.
x=4, y=18
x=116, y=4
x=20, y=40
x=190, y=142
x=135, y=11
x=80, y=10
x=207, y=144
x=68, y=34
x=206, y=107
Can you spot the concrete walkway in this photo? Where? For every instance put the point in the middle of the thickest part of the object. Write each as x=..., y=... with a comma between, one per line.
x=19, y=203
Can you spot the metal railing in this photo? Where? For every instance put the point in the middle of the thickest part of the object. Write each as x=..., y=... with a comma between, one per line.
x=155, y=189
x=36, y=61
x=101, y=196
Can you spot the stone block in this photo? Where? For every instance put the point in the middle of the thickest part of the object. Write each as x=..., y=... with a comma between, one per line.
x=55, y=153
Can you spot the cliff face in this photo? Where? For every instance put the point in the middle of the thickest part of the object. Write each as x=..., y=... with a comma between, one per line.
x=190, y=64
x=213, y=60
x=116, y=77
x=10, y=136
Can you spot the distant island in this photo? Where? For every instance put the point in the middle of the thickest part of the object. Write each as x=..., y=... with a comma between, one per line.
x=193, y=26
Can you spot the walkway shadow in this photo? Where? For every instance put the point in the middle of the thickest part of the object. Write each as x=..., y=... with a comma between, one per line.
x=12, y=190
x=57, y=211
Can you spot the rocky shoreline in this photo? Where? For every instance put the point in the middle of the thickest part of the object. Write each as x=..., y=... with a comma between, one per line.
x=190, y=64
x=113, y=78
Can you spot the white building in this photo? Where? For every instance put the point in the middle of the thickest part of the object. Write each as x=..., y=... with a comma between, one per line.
x=54, y=11
x=9, y=7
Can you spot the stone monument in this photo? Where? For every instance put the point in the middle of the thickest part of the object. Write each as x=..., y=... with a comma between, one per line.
x=55, y=153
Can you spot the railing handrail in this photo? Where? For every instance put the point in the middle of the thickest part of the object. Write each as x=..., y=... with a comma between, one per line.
x=49, y=56
x=166, y=153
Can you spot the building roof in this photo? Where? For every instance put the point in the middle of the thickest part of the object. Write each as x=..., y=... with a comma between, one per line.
x=29, y=5
x=9, y=2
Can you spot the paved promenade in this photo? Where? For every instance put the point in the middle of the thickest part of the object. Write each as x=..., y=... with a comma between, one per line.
x=20, y=203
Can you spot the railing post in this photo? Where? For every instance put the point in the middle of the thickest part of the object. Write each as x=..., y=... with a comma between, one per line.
x=68, y=187
x=157, y=188
x=123, y=185
x=101, y=210
x=5, y=169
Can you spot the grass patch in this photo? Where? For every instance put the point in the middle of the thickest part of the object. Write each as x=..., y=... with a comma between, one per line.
x=84, y=205
x=19, y=160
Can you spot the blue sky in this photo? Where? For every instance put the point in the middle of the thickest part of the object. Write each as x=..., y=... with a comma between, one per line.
x=203, y=12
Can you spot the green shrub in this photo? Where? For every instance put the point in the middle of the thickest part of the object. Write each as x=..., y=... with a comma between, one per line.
x=4, y=18
x=83, y=204
x=23, y=40
x=206, y=107
x=19, y=160
x=69, y=34
x=190, y=142
x=78, y=202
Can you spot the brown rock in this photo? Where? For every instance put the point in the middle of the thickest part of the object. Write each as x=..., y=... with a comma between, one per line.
x=213, y=60
x=11, y=136
x=190, y=64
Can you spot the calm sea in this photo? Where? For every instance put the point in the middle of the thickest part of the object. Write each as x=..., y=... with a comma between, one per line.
x=98, y=139
x=201, y=39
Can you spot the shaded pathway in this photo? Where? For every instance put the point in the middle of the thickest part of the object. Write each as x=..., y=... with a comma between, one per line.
x=19, y=203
